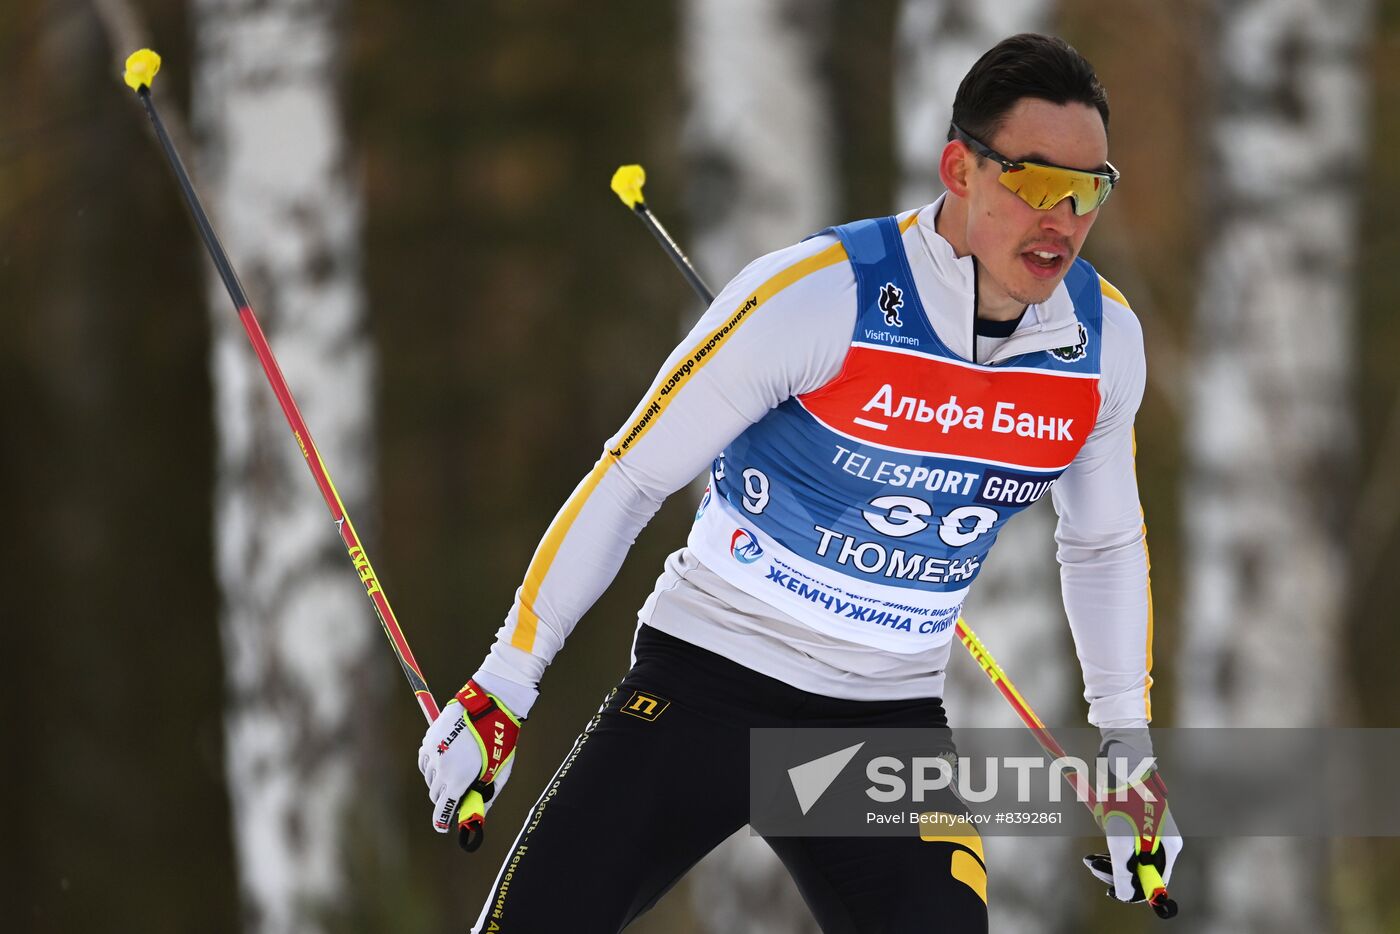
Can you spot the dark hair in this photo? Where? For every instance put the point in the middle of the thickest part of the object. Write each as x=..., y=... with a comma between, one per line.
x=1025, y=65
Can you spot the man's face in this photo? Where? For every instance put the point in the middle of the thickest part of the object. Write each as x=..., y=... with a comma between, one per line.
x=1008, y=236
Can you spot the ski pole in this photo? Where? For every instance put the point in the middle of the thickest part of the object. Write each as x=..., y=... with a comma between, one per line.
x=1152, y=885
x=141, y=68
x=627, y=182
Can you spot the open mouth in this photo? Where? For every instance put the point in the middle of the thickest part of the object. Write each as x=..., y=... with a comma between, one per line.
x=1043, y=264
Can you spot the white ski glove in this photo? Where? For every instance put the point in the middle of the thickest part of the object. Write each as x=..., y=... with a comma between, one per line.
x=1143, y=843
x=466, y=757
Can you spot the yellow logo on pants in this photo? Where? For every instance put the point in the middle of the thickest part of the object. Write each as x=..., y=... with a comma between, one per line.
x=645, y=706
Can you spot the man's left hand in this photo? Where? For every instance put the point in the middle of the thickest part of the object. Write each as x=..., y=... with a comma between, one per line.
x=1143, y=841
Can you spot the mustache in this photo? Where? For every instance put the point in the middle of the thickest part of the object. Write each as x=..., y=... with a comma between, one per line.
x=1058, y=244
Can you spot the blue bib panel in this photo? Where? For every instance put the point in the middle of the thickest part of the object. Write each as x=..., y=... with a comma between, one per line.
x=866, y=508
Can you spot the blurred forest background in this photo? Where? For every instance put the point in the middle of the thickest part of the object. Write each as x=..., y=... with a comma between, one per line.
x=203, y=729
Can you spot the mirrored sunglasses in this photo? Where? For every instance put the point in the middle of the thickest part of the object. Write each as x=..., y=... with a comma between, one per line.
x=1042, y=185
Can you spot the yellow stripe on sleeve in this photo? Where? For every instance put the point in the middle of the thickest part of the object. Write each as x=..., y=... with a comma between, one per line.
x=527, y=620
x=1108, y=289
x=1147, y=557
x=702, y=352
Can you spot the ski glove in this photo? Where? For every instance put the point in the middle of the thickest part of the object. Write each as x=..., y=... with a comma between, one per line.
x=466, y=757
x=1143, y=842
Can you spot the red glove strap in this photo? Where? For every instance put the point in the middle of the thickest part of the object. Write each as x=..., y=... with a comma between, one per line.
x=498, y=731
x=1145, y=816
x=474, y=699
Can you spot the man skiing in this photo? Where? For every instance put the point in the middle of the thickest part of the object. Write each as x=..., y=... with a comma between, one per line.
x=873, y=404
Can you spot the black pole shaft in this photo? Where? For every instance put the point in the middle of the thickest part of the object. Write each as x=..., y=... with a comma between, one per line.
x=201, y=220
x=680, y=259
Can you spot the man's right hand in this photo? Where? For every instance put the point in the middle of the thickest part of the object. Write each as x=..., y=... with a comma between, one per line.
x=469, y=747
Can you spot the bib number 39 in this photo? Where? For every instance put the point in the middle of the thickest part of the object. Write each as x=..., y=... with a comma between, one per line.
x=902, y=516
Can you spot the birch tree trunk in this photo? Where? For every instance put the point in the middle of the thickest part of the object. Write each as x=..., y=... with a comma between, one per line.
x=936, y=42
x=1016, y=604
x=758, y=134
x=296, y=631
x=759, y=144
x=1271, y=441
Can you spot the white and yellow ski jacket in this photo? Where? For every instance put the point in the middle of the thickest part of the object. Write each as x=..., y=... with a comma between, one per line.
x=860, y=468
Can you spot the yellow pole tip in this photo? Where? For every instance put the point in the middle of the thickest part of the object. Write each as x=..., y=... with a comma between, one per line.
x=627, y=181
x=472, y=805
x=141, y=67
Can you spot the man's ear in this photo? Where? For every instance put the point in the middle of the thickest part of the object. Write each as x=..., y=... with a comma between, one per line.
x=954, y=166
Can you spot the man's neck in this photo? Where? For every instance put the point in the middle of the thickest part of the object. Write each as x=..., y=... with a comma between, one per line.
x=951, y=225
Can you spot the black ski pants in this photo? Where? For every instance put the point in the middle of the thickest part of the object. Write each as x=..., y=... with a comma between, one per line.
x=659, y=777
